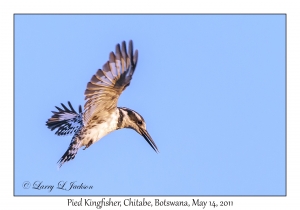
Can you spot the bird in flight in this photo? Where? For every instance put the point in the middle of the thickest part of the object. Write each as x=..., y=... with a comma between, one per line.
x=101, y=115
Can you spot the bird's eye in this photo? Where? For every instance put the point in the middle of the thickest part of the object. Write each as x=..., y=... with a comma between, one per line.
x=140, y=122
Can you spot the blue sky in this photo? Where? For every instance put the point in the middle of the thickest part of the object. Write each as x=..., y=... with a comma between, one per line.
x=210, y=87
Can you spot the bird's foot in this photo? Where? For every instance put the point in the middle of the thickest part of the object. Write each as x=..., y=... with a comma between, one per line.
x=88, y=145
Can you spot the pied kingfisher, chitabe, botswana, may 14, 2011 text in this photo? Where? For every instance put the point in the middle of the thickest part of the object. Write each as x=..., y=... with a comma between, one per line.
x=101, y=114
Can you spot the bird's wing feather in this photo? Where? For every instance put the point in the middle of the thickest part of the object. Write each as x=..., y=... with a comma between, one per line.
x=105, y=87
x=65, y=120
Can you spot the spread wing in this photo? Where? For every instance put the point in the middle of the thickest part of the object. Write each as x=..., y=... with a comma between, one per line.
x=66, y=121
x=105, y=87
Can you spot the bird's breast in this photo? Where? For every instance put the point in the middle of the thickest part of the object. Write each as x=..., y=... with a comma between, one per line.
x=95, y=131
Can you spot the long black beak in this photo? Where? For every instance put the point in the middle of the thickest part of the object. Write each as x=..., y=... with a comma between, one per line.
x=148, y=138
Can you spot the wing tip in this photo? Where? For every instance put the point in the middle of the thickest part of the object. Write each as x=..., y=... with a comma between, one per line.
x=112, y=57
x=118, y=52
x=135, y=57
x=124, y=51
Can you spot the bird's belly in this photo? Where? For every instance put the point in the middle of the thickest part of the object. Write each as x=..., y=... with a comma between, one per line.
x=103, y=129
x=98, y=131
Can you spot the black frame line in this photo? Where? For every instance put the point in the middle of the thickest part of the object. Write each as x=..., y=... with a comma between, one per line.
x=15, y=14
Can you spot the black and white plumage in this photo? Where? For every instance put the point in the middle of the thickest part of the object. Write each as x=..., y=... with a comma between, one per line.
x=101, y=114
x=66, y=121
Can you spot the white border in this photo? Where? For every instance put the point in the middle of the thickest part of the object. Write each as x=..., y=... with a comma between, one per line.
x=8, y=8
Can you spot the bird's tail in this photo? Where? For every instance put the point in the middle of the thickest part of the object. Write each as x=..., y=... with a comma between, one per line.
x=72, y=150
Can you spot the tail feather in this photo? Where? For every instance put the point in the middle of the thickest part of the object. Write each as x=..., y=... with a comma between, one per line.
x=71, y=151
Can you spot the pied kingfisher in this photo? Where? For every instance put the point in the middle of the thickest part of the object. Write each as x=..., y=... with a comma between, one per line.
x=101, y=114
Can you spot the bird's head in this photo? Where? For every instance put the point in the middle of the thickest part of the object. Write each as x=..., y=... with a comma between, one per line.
x=135, y=121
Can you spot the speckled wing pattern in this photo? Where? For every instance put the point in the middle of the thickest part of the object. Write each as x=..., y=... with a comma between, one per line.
x=65, y=120
x=105, y=87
